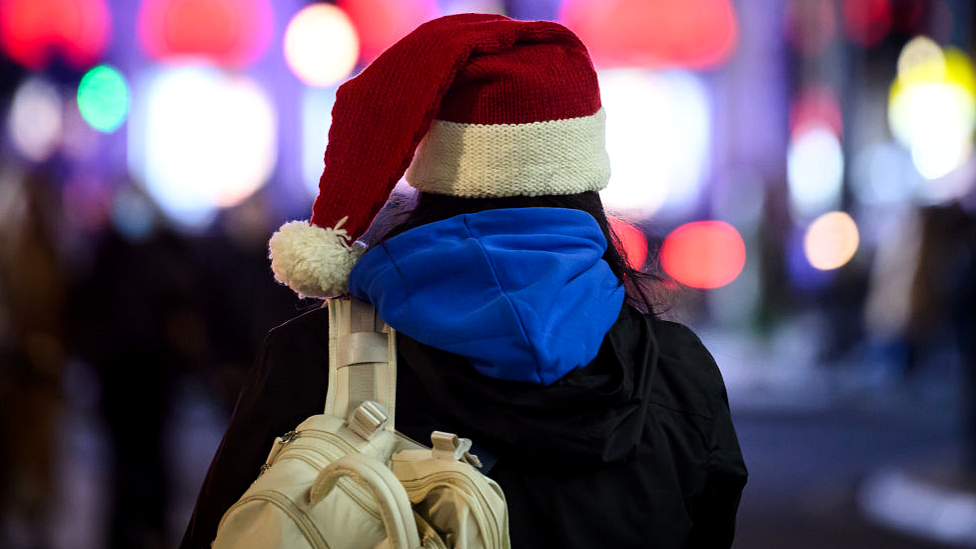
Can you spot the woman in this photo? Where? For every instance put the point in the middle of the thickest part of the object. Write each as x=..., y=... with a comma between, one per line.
x=519, y=324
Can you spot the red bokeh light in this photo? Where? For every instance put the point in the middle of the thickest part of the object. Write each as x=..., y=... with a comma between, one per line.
x=632, y=240
x=816, y=106
x=654, y=33
x=380, y=23
x=867, y=22
x=230, y=32
x=703, y=254
x=32, y=31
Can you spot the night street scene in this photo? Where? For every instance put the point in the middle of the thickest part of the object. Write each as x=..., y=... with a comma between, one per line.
x=798, y=177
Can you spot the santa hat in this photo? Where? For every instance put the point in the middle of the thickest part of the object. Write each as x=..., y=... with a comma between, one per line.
x=476, y=106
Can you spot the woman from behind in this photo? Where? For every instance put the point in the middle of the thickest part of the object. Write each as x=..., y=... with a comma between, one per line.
x=519, y=324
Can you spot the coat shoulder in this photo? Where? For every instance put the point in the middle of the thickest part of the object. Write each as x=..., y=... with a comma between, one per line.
x=692, y=379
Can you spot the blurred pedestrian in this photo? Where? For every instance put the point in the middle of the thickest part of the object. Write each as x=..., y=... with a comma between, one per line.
x=32, y=306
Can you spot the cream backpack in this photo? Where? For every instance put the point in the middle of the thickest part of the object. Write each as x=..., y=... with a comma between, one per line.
x=347, y=479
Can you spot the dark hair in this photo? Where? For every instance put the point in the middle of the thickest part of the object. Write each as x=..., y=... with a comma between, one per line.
x=641, y=286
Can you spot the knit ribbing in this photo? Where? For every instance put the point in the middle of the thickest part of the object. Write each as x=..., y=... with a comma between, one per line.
x=481, y=160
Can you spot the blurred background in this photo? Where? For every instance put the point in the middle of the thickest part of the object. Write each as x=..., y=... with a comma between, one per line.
x=801, y=171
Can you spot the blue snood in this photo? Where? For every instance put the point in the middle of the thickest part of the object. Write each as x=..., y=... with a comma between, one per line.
x=522, y=293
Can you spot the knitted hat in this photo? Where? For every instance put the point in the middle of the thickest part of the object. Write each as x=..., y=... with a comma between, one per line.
x=477, y=106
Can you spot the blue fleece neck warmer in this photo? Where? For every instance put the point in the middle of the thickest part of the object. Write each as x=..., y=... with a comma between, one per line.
x=523, y=293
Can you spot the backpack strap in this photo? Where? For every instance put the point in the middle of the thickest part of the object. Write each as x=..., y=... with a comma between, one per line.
x=362, y=366
x=386, y=491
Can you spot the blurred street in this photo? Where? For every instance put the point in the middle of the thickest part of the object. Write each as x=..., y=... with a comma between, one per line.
x=808, y=470
x=825, y=442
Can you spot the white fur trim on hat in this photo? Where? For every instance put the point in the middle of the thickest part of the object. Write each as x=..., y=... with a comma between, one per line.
x=313, y=261
x=566, y=156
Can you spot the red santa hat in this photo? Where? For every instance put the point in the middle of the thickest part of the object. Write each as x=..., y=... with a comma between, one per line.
x=467, y=105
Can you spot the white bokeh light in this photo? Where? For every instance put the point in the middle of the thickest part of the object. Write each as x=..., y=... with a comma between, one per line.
x=923, y=53
x=35, y=121
x=932, y=107
x=935, y=121
x=201, y=140
x=815, y=171
x=658, y=130
x=321, y=45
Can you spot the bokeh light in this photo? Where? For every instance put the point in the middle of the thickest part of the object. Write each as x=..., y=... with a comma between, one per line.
x=658, y=132
x=321, y=45
x=103, y=98
x=654, y=33
x=932, y=107
x=132, y=215
x=883, y=173
x=924, y=54
x=831, y=240
x=32, y=30
x=703, y=254
x=867, y=22
x=934, y=162
x=815, y=170
x=35, y=121
x=632, y=240
x=380, y=23
x=204, y=140
x=232, y=32
x=815, y=105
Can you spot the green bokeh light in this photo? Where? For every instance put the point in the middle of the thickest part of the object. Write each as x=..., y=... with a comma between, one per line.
x=103, y=98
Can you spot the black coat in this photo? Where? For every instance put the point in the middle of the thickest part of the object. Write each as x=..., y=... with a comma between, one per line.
x=636, y=449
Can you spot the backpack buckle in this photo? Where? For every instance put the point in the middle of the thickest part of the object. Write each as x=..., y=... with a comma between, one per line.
x=367, y=419
x=453, y=448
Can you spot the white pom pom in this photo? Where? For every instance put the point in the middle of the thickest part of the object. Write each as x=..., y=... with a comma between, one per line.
x=312, y=260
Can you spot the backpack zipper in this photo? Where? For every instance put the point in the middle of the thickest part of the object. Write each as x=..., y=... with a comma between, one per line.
x=279, y=445
x=430, y=538
x=325, y=435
